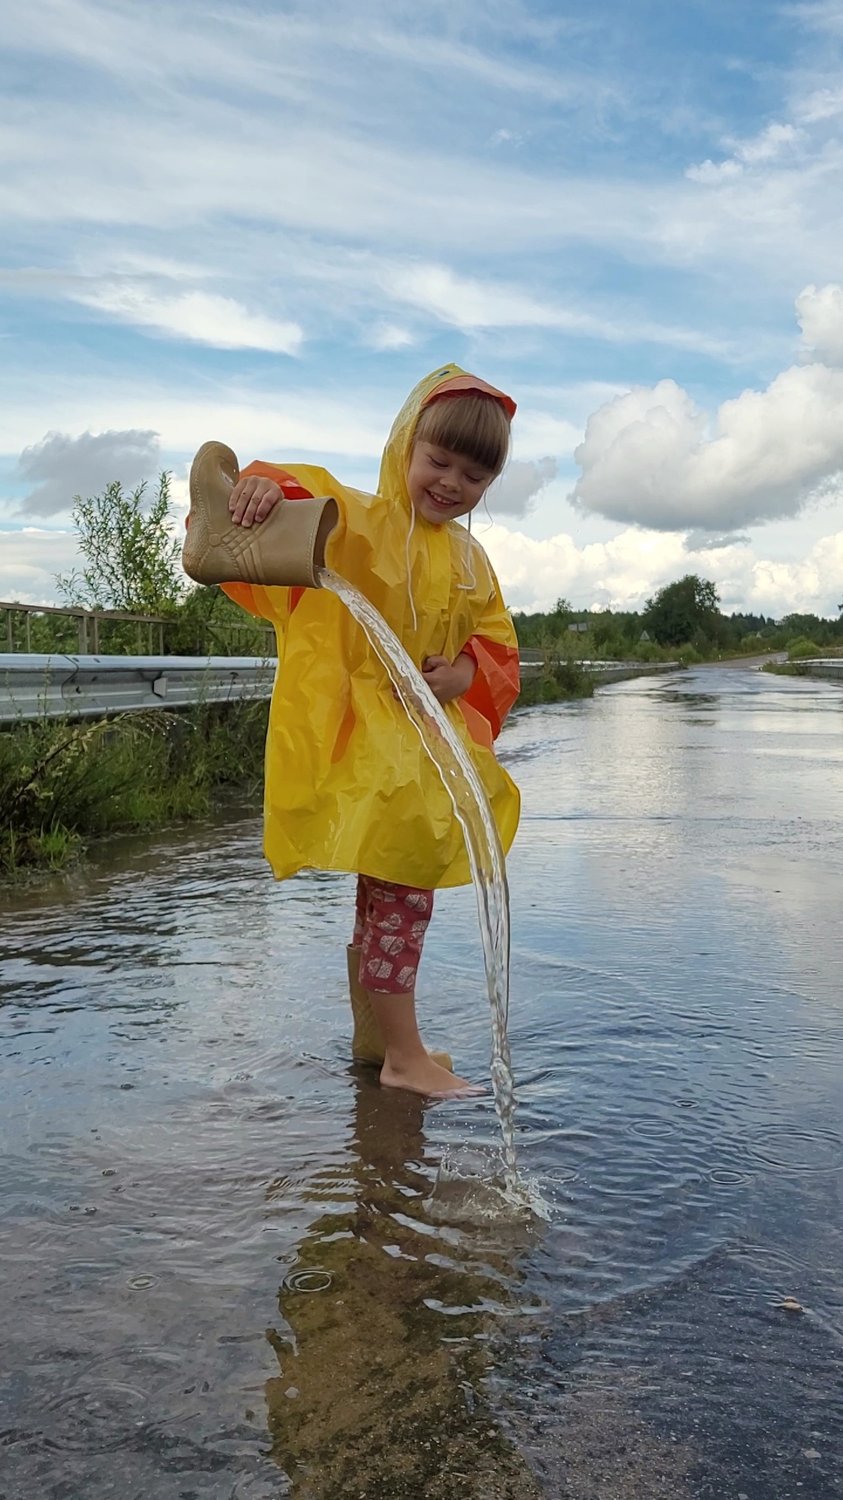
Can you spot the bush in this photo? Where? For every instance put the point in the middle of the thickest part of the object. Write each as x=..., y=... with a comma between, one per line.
x=801, y=649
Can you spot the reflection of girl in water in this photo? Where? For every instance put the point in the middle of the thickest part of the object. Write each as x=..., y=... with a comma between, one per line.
x=380, y=1390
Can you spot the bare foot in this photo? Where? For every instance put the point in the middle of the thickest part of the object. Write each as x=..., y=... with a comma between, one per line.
x=423, y=1075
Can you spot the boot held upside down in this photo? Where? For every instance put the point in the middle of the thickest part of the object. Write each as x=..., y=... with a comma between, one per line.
x=286, y=549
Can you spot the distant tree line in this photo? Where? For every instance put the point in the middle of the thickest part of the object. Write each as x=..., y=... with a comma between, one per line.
x=683, y=619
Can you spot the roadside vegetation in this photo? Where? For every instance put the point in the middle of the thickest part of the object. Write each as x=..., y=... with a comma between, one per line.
x=64, y=784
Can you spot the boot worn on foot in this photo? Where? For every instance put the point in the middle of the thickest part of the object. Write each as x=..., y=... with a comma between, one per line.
x=288, y=548
x=367, y=1042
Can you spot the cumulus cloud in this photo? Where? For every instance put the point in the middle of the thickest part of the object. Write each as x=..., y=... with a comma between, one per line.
x=820, y=314
x=203, y=317
x=61, y=466
x=519, y=485
x=624, y=572
x=654, y=458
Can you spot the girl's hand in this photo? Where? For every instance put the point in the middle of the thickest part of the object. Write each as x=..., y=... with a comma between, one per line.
x=448, y=680
x=252, y=500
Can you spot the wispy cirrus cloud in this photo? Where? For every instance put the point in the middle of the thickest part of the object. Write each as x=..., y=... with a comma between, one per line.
x=468, y=303
x=200, y=316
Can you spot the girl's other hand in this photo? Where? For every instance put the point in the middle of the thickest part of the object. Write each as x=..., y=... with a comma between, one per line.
x=252, y=500
x=448, y=680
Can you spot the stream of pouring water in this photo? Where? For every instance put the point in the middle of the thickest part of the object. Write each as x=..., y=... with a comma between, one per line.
x=483, y=844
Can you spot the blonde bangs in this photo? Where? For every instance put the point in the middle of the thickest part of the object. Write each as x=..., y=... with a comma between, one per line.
x=475, y=426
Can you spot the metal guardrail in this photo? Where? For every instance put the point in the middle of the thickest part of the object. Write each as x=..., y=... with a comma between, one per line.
x=95, y=687
x=828, y=667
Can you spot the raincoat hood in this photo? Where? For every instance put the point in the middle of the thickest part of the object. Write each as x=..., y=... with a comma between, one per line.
x=447, y=380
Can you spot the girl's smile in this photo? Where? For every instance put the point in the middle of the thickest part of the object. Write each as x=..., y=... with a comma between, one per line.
x=444, y=485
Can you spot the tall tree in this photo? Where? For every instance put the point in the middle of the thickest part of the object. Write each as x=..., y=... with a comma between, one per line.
x=681, y=610
x=130, y=552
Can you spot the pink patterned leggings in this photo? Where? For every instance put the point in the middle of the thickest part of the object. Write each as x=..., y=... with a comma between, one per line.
x=389, y=928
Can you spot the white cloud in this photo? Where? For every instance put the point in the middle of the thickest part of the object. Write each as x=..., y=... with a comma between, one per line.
x=388, y=336
x=760, y=150
x=819, y=311
x=820, y=105
x=709, y=172
x=768, y=145
x=200, y=316
x=822, y=15
x=61, y=466
x=652, y=457
x=519, y=485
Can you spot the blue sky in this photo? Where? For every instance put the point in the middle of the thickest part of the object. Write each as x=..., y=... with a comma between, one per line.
x=263, y=222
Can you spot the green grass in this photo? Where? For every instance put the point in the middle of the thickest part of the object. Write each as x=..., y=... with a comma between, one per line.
x=63, y=784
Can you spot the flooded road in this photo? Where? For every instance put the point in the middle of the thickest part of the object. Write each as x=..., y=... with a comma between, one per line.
x=234, y=1269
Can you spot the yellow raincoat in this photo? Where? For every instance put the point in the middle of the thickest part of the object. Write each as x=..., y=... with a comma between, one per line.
x=348, y=783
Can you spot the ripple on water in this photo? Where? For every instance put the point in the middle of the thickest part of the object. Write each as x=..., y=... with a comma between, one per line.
x=98, y=1416
x=311, y=1280
x=796, y=1151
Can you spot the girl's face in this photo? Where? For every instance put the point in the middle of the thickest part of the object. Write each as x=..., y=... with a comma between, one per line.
x=444, y=485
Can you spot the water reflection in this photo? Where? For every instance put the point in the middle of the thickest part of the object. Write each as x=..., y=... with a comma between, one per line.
x=387, y=1329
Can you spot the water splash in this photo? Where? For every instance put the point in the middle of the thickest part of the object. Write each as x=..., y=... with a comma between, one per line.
x=485, y=855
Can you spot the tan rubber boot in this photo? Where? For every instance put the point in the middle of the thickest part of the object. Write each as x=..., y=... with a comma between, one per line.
x=288, y=548
x=367, y=1042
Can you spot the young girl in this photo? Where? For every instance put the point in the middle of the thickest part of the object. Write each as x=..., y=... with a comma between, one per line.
x=348, y=785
